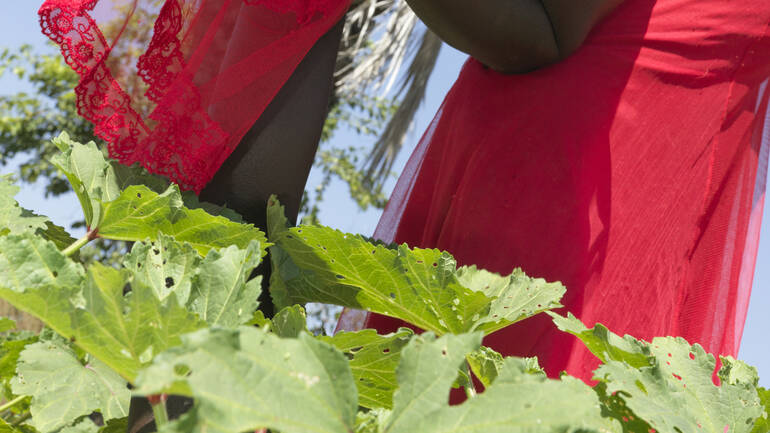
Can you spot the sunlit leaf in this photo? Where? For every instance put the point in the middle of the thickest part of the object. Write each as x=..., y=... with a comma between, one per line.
x=63, y=389
x=373, y=360
x=245, y=379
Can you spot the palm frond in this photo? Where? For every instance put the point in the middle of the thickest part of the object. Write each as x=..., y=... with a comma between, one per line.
x=379, y=37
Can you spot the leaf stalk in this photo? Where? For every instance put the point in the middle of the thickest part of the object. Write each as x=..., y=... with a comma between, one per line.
x=470, y=388
x=80, y=243
x=12, y=403
x=158, y=403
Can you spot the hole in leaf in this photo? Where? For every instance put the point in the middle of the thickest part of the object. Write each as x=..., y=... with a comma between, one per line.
x=392, y=295
x=55, y=274
x=435, y=264
x=692, y=355
x=386, y=351
x=340, y=277
x=678, y=377
x=169, y=282
x=443, y=352
x=138, y=195
x=156, y=251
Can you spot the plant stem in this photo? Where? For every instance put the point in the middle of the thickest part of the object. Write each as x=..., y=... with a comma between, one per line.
x=470, y=388
x=12, y=403
x=78, y=244
x=159, y=410
x=23, y=418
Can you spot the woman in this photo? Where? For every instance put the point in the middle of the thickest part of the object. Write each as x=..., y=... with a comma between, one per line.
x=614, y=146
x=181, y=85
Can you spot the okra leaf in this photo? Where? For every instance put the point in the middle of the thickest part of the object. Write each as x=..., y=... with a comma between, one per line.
x=127, y=331
x=519, y=401
x=425, y=374
x=373, y=360
x=165, y=266
x=515, y=297
x=290, y=322
x=62, y=388
x=668, y=383
x=14, y=219
x=421, y=286
x=222, y=293
x=38, y=279
x=762, y=424
x=243, y=379
x=139, y=213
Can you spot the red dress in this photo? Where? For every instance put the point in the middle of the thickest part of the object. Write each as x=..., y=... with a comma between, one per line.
x=633, y=172
x=176, y=84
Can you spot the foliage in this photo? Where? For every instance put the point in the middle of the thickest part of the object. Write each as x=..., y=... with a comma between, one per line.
x=178, y=315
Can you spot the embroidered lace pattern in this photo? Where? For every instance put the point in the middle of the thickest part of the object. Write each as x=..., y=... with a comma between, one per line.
x=178, y=139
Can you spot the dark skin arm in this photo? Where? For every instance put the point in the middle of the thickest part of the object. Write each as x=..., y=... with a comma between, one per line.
x=513, y=36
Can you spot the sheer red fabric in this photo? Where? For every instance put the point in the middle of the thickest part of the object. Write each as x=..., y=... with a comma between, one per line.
x=175, y=84
x=633, y=172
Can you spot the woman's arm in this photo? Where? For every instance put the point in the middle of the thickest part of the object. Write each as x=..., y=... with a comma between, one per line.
x=513, y=36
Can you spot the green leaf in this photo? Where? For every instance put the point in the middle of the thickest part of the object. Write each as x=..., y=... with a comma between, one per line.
x=56, y=234
x=165, y=266
x=371, y=421
x=515, y=296
x=676, y=392
x=421, y=286
x=7, y=324
x=223, y=294
x=10, y=350
x=191, y=201
x=373, y=360
x=668, y=383
x=125, y=332
x=84, y=426
x=95, y=179
x=86, y=169
x=603, y=343
x=485, y=364
x=38, y=279
x=425, y=374
x=290, y=322
x=115, y=426
x=520, y=401
x=245, y=378
x=7, y=428
x=140, y=213
x=63, y=389
x=614, y=406
x=762, y=424
x=14, y=219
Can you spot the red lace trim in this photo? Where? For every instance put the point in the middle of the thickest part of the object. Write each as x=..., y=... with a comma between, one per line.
x=187, y=160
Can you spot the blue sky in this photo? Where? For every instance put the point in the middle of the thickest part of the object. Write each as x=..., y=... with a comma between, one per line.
x=18, y=25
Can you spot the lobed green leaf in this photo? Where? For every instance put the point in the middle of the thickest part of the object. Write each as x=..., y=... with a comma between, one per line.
x=139, y=213
x=373, y=361
x=223, y=294
x=63, y=389
x=244, y=379
x=421, y=286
